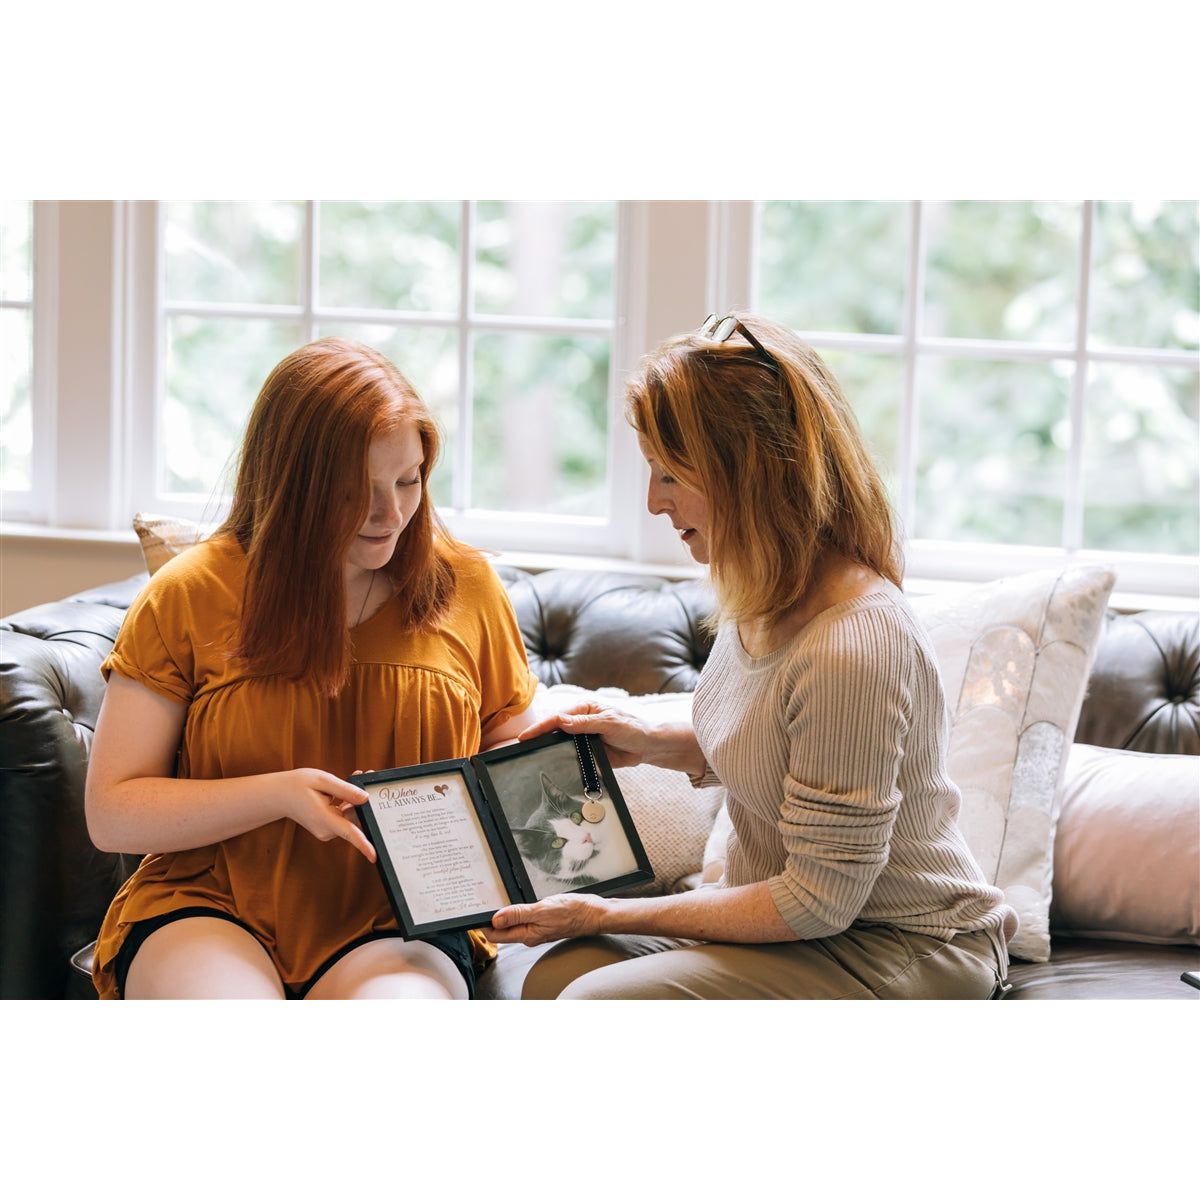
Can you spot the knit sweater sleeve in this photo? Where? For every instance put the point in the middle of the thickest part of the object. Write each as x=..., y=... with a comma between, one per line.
x=849, y=708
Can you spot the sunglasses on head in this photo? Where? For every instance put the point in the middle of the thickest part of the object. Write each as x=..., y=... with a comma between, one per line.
x=721, y=329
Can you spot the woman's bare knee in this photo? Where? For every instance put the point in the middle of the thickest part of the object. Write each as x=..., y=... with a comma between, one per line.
x=202, y=958
x=391, y=969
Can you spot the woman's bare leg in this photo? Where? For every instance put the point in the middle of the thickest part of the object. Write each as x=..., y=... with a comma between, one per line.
x=202, y=958
x=391, y=969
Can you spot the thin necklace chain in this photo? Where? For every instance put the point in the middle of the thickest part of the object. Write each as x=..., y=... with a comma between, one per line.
x=370, y=589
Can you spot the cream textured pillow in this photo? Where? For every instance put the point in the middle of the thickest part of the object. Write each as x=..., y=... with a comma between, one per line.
x=1127, y=849
x=716, y=846
x=163, y=537
x=1014, y=657
x=672, y=817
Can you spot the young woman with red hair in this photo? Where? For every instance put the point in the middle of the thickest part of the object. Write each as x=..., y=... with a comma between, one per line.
x=331, y=624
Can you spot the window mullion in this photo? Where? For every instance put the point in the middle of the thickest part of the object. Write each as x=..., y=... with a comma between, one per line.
x=910, y=409
x=1073, y=500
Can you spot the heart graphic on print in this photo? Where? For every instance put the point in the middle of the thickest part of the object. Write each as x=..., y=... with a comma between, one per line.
x=441, y=788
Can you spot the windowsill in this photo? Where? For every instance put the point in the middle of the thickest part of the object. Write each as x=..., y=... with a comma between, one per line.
x=22, y=531
x=1124, y=601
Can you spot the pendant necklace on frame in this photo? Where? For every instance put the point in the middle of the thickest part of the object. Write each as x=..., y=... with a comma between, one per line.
x=591, y=810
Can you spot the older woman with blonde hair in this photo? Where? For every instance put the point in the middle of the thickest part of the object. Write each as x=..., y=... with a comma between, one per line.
x=820, y=710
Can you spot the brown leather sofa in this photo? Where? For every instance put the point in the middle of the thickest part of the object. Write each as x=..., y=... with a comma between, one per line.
x=593, y=630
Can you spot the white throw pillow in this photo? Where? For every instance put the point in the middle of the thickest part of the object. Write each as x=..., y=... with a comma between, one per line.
x=1014, y=657
x=1127, y=847
x=673, y=818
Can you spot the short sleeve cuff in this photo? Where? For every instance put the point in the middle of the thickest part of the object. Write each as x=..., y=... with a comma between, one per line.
x=518, y=704
x=170, y=690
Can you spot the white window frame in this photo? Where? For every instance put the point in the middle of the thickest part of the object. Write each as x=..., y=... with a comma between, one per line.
x=522, y=531
x=33, y=503
x=97, y=347
x=927, y=559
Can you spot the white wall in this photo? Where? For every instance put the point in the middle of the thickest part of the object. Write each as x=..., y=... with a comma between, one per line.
x=38, y=570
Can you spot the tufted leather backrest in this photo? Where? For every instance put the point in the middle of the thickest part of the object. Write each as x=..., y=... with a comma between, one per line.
x=646, y=635
x=1144, y=689
x=635, y=632
x=595, y=630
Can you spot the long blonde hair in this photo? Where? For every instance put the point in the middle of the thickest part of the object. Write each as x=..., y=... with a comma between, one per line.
x=776, y=452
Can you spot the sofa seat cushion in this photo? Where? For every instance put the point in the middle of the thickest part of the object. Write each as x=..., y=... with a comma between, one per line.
x=1086, y=969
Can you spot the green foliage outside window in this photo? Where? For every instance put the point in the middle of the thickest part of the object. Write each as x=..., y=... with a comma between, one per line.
x=1001, y=270
x=214, y=370
x=991, y=461
x=234, y=252
x=534, y=261
x=547, y=260
x=540, y=424
x=992, y=436
x=835, y=266
x=1146, y=275
x=401, y=256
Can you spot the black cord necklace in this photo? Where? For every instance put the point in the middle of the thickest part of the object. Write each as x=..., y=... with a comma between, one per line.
x=591, y=810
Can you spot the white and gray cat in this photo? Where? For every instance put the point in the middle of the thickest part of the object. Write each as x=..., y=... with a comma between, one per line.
x=561, y=850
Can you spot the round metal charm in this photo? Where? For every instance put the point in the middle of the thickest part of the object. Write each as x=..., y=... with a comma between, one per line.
x=593, y=811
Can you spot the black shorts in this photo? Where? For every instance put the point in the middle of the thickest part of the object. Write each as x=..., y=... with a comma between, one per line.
x=456, y=946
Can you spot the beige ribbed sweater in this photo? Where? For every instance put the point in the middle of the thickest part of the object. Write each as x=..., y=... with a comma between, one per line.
x=833, y=751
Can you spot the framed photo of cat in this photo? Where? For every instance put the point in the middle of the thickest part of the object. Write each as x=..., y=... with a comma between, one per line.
x=456, y=840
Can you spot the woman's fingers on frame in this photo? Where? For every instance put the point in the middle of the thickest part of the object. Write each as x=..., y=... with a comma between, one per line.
x=526, y=935
x=545, y=725
x=355, y=836
x=582, y=718
x=514, y=914
x=343, y=792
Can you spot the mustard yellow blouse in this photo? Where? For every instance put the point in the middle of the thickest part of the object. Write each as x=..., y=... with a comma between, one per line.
x=413, y=696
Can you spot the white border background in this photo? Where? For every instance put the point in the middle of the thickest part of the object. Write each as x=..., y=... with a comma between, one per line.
x=663, y=101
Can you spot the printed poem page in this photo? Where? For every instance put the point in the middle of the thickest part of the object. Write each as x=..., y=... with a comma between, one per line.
x=436, y=844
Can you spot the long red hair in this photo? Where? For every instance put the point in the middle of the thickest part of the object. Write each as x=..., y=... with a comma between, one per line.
x=301, y=496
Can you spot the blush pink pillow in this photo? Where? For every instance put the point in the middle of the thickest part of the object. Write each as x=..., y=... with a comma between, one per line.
x=1127, y=847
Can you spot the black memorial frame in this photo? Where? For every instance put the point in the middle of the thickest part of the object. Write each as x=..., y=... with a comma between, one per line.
x=497, y=834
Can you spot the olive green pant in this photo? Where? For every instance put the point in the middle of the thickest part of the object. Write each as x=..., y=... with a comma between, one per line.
x=875, y=962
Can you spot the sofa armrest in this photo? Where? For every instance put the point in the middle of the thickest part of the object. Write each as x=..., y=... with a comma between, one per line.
x=54, y=884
